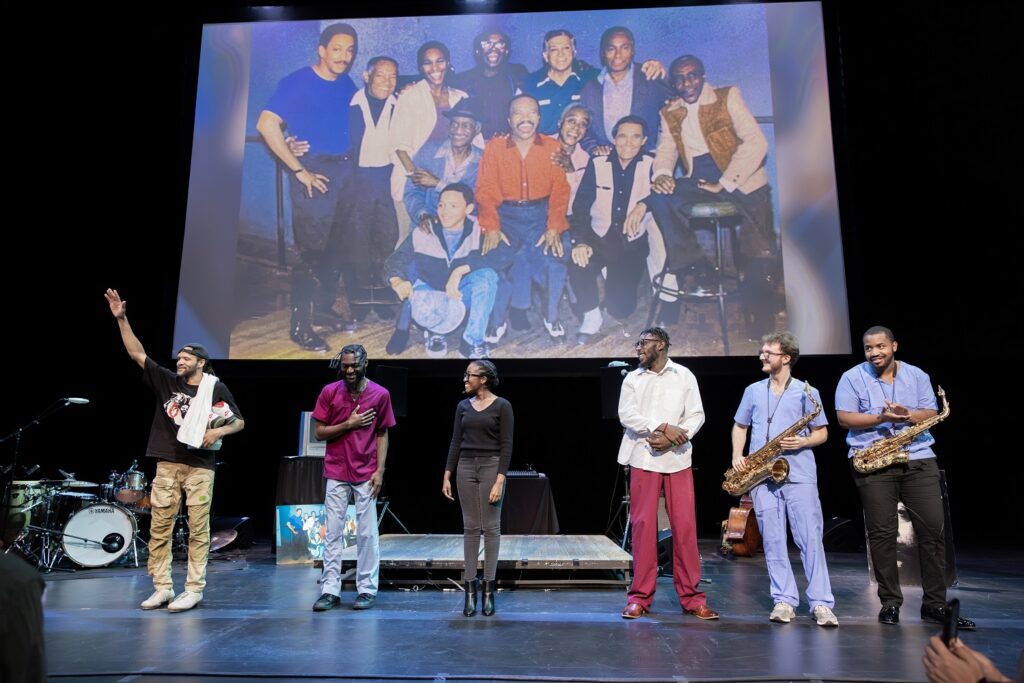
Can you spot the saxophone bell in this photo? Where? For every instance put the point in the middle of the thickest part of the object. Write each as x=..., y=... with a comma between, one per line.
x=780, y=470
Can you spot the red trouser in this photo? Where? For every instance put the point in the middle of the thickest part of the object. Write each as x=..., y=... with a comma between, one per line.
x=644, y=488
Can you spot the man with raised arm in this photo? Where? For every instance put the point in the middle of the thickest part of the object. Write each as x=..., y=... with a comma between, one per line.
x=194, y=412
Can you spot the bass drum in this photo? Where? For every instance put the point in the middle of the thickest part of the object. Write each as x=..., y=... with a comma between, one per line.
x=99, y=534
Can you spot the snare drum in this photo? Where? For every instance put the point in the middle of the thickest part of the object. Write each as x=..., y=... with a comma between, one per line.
x=133, y=487
x=99, y=534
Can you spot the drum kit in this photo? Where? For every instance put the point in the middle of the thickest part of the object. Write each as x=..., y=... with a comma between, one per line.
x=92, y=525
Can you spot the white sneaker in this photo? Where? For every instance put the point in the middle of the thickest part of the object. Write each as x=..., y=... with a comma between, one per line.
x=437, y=346
x=185, y=601
x=824, y=616
x=494, y=335
x=159, y=598
x=555, y=329
x=782, y=613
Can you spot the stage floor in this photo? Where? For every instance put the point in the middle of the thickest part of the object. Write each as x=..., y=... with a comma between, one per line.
x=256, y=622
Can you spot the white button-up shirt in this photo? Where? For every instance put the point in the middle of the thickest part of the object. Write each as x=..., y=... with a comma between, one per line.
x=649, y=399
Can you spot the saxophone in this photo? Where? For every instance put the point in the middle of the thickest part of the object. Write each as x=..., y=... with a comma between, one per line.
x=895, y=449
x=764, y=462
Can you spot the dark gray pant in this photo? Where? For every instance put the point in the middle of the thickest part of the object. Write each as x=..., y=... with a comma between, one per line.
x=476, y=476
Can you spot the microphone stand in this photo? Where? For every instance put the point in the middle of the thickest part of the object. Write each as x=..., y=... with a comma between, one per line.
x=10, y=471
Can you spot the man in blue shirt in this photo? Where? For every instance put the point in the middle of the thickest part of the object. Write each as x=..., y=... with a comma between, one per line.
x=771, y=407
x=312, y=104
x=875, y=400
x=557, y=84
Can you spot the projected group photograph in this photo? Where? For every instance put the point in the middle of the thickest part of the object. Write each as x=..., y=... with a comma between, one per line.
x=518, y=186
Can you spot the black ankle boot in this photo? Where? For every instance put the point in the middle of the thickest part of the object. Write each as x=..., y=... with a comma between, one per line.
x=302, y=333
x=488, y=607
x=470, y=608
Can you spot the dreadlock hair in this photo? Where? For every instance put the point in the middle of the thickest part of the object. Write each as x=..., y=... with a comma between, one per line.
x=356, y=350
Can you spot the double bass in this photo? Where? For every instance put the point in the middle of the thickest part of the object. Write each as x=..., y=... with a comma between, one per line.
x=740, y=535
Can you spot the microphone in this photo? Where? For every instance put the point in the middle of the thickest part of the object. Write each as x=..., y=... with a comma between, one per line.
x=67, y=475
x=76, y=401
x=31, y=470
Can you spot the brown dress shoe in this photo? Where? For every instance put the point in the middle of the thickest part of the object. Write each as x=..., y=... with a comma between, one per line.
x=703, y=612
x=634, y=610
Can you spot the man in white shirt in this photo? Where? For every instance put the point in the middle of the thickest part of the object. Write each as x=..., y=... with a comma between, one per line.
x=661, y=410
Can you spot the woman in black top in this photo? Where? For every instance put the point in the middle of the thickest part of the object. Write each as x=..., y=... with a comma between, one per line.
x=482, y=445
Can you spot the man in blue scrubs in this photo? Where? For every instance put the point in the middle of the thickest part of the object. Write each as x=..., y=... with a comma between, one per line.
x=770, y=407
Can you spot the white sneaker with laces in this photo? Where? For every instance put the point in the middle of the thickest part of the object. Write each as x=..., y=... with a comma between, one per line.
x=185, y=601
x=782, y=613
x=824, y=616
x=159, y=598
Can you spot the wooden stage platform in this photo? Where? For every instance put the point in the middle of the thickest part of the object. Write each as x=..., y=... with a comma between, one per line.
x=563, y=560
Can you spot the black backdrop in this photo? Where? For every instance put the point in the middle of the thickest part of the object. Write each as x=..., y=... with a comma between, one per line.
x=97, y=175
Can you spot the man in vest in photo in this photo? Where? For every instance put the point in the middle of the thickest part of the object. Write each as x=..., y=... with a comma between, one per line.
x=716, y=140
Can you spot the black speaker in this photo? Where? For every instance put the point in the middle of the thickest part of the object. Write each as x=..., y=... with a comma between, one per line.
x=611, y=384
x=230, y=533
x=396, y=380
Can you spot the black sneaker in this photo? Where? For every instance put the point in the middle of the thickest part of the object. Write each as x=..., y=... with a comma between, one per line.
x=364, y=601
x=326, y=602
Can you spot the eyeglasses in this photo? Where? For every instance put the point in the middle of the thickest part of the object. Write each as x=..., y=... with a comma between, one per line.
x=643, y=342
x=489, y=44
x=472, y=374
x=770, y=353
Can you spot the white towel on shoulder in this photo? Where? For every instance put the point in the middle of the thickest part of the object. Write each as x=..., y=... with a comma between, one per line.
x=193, y=427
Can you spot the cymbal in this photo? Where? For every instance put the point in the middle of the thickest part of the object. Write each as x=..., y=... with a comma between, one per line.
x=27, y=482
x=76, y=484
x=219, y=539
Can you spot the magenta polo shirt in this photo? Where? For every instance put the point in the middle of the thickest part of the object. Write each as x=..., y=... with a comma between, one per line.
x=353, y=456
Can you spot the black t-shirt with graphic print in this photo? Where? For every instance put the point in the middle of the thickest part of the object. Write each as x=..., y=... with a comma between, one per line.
x=173, y=397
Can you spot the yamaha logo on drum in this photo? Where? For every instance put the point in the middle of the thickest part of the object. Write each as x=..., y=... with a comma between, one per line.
x=101, y=510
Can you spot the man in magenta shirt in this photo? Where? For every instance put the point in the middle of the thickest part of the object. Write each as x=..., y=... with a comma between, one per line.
x=353, y=416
